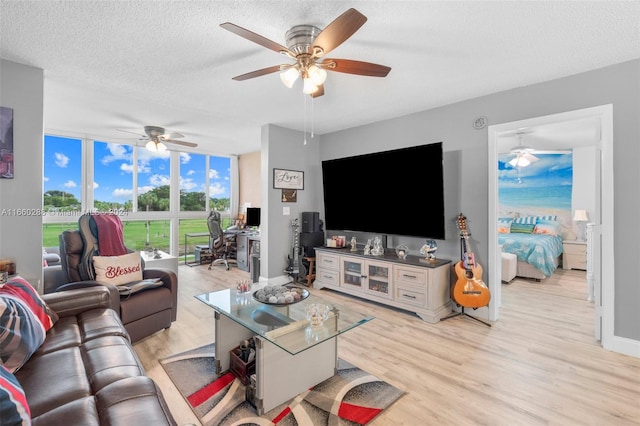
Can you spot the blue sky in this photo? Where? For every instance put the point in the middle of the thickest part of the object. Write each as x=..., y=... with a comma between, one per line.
x=113, y=170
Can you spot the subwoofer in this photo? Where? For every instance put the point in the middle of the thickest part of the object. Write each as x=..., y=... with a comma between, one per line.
x=310, y=240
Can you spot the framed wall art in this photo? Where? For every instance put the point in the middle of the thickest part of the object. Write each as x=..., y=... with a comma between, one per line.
x=6, y=143
x=288, y=179
x=289, y=195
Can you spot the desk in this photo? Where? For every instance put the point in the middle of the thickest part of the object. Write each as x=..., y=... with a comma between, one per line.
x=186, y=247
x=245, y=242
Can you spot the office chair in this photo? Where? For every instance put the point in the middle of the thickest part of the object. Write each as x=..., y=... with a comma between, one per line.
x=223, y=247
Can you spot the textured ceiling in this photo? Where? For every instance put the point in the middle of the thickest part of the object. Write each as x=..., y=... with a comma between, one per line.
x=125, y=64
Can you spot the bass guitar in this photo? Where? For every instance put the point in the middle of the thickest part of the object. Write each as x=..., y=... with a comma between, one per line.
x=469, y=290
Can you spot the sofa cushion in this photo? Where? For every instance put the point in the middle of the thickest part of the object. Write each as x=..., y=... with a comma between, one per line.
x=118, y=270
x=14, y=409
x=24, y=320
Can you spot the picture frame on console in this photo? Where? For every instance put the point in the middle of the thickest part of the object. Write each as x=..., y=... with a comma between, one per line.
x=288, y=179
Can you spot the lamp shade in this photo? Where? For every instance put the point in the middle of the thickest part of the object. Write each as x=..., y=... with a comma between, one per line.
x=580, y=216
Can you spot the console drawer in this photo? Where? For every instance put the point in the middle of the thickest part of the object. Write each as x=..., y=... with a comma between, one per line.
x=407, y=274
x=328, y=277
x=410, y=295
x=327, y=261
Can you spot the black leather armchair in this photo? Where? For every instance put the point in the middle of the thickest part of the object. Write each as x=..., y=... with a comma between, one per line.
x=142, y=313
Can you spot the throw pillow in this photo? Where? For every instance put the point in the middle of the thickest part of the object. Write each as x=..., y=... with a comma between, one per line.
x=547, y=227
x=522, y=228
x=504, y=225
x=24, y=321
x=14, y=409
x=118, y=270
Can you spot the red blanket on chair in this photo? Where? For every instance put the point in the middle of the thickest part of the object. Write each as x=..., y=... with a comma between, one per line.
x=110, y=235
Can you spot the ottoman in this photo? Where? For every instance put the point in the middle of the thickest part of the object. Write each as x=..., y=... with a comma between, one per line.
x=509, y=266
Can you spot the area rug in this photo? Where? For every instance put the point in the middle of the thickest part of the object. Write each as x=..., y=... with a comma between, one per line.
x=351, y=397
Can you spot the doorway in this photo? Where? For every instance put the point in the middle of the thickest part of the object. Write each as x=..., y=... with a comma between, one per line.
x=597, y=121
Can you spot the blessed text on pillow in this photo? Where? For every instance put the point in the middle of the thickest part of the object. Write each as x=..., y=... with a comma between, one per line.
x=118, y=270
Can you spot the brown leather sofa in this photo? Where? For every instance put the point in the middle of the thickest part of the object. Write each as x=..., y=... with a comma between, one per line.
x=86, y=372
x=141, y=313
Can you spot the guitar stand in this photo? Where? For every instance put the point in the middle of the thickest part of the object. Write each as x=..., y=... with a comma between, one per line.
x=463, y=313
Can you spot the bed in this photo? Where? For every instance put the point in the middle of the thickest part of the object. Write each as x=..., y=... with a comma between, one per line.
x=538, y=246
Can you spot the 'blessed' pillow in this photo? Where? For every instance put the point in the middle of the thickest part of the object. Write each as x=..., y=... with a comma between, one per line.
x=118, y=270
x=547, y=227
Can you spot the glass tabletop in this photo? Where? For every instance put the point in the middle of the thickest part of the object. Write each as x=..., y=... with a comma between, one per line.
x=293, y=327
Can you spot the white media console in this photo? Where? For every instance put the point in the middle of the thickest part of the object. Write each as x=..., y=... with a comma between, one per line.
x=414, y=284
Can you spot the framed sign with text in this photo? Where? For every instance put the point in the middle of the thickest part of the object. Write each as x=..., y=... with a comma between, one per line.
x=288, y=179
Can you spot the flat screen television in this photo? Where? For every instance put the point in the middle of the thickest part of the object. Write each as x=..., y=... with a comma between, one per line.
x=253, y=216
x=397, y=192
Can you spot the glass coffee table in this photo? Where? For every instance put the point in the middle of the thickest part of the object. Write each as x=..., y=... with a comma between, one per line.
x=292, y=353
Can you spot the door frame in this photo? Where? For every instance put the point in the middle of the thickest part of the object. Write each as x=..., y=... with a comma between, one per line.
x=605, y=279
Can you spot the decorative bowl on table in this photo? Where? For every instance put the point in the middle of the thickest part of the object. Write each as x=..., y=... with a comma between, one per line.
x=317, y=313
x=280, y=295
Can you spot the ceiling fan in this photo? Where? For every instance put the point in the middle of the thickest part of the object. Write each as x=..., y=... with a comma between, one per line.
x=307, y=45
x=523, y=155
x=156, y=137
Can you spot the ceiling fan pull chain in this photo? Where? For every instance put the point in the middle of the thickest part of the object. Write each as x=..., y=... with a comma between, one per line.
x=305, y=119
x=312, y=116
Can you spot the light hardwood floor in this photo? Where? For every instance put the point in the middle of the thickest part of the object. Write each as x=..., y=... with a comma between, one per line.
x=538, y=365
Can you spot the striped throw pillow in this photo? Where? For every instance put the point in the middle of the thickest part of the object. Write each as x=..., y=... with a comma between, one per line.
x=24, y=321
x=14, y=409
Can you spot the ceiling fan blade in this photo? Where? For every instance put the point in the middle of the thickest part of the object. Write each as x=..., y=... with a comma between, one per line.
x=358, y=67
x=554, y=151
x=343, y=27
x=529, y=157
x=256, y=38
x=258, y=73
x=140, y=135
x=172, y=135
x=183, y=143
x=318, y=92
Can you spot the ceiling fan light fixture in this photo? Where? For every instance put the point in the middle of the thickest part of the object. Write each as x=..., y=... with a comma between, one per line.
x=155, y=146
x=289, y=76
x=309, y=87
x=317, y=75
x=520, y=161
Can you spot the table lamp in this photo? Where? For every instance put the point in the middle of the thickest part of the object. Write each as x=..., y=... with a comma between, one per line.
x=580, y=218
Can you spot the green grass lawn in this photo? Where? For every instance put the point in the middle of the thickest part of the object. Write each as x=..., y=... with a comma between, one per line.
x=135, y=234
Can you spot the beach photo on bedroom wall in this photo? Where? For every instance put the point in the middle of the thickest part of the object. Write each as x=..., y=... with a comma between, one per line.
x=543, y=188
x=6, y=143
x=289, y=195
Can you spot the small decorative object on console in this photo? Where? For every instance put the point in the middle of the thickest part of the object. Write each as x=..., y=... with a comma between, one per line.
x=354, y=244
x=317, y=313
x=367, y=248
x=429, y=249
x=377, y=249
x=243, y=286
x=402, y=251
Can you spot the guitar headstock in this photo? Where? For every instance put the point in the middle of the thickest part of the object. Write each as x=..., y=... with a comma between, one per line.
x=294, y=224
x=462, y=224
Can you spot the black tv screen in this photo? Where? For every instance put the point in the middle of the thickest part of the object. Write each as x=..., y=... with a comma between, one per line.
x=397, y=192
x=253, y=216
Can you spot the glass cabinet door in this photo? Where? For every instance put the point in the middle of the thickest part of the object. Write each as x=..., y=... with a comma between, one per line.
x=377, y=282
x=352, y=273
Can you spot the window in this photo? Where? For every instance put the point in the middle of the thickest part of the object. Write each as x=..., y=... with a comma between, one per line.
x=142, y=193
x=112, y=176
x=154, y=180
x=193, y=176
x=62, y=174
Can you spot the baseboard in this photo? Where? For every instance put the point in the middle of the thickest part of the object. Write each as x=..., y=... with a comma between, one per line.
x=624, y=346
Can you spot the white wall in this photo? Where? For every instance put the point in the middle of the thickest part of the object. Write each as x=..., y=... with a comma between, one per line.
x=22, y=88
x=585, y=179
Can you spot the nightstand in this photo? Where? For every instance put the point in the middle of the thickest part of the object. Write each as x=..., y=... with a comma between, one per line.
x=574, y=254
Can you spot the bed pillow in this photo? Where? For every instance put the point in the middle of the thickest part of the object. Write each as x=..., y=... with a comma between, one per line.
x=547, y=227
x=504, y=225
x=522, y=228
x=118, y=270
x=24, y=321
x=534, y=219
x=14, y=409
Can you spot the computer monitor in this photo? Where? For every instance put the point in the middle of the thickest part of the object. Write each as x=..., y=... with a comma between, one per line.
x=253, y=216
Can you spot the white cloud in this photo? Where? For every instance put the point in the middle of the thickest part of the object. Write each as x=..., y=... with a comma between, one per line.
x=184, y=158
x=145, y=189
x=159, y=180
x=95, y=185
x=213, y=174
x=191, y=172
x=215, y=189
x=61, y=159
x=69, y=184
x=122, y=193
x=187, y=184
x=46, y=179
x=117, y=152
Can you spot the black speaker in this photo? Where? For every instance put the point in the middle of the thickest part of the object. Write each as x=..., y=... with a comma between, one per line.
x=309, y=240
x=310, y=222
